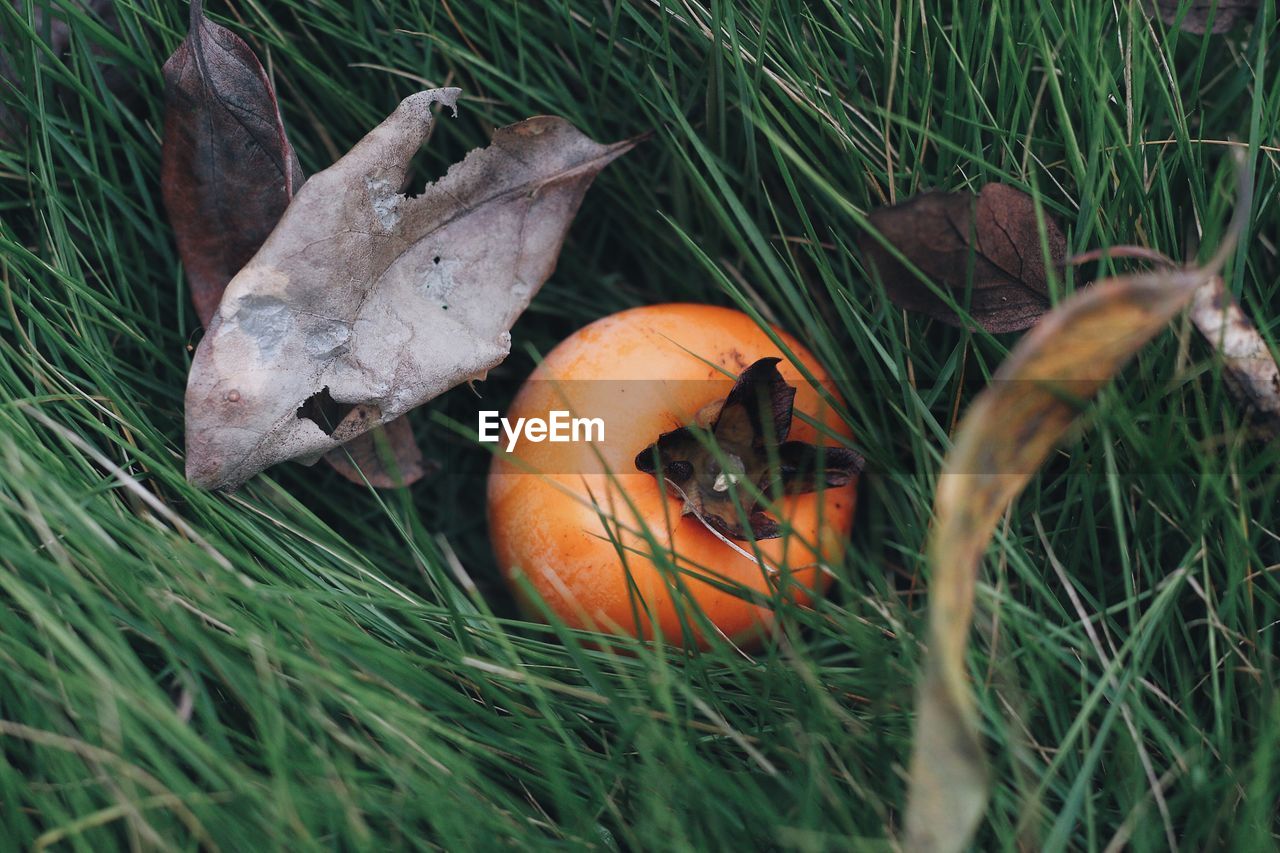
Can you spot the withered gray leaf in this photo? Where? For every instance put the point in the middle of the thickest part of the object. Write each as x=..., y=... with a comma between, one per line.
x=228, y=172
x=366, y=303
x=1248, y=365
x=1195, y=19
x=991, y=239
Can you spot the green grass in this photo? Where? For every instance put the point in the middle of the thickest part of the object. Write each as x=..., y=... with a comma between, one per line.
x=299, y=665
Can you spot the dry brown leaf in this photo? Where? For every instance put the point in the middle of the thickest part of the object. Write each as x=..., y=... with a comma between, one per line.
x=1006, y=434
x=361, y=461
x=1225, y=14
x=991, y=239
x=365, y=303
x=1248, y=364
x=386, y=457
x=227, y=170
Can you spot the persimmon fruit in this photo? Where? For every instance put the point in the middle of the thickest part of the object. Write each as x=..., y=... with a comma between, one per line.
x=607, y=544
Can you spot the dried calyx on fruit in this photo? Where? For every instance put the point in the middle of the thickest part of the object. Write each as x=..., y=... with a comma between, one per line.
x=736, y=453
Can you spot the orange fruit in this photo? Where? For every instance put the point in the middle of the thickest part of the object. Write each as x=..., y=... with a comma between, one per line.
x=569, y=517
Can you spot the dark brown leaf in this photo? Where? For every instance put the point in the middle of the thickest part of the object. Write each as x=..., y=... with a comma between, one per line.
x=227, y=169
x=758, y=408
x=388, y=457
x=800, y=463
x=991, y=240
x=739, y=452
x=1224, y=14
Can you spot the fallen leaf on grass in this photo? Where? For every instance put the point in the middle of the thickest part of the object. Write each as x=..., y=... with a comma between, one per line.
x=228, y=172
x=1225, y=14
x=364, y=303
x=1006, y=434
x=991, y=239
x=1249, y=366
x=388, y=457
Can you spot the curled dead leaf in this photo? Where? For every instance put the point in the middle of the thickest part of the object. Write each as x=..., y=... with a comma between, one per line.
x=365, y=303
x=991, y=239
x=1005, y=436
x=363, y=460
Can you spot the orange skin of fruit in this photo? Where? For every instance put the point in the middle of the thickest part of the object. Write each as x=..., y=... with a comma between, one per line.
x=546, y=499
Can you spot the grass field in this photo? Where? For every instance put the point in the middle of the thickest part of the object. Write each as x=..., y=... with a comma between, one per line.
x=300, y=665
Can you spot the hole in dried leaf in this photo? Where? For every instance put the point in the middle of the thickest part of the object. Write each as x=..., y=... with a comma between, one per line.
x=324, y=411
x=424, y=169
x=436, y=259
